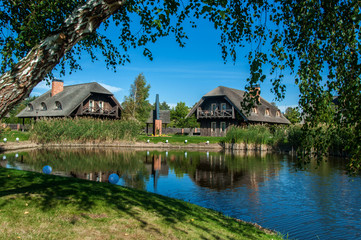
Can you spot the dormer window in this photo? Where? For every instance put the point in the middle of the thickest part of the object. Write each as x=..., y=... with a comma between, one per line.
x=254, y=110
x=43, y=107
x=58, y=105
x=30, y=107
x=278, y=113
x=267, y=113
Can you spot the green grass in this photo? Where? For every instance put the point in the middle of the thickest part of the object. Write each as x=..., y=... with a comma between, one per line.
x=39, y=206
x=12, y=135
x=176, y=139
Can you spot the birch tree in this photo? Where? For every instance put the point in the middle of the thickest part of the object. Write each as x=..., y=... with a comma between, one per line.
x=44, y=56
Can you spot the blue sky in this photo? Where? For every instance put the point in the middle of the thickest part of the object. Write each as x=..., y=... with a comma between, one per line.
x=177, y=74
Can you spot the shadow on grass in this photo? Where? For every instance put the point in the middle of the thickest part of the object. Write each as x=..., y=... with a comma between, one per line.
x=53, y=191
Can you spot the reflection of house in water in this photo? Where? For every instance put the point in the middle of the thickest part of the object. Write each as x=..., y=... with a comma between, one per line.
x=155, y=167
x=215, y=172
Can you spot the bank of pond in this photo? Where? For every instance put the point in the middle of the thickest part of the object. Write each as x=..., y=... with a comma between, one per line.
x=275, y=137
x=318, y=201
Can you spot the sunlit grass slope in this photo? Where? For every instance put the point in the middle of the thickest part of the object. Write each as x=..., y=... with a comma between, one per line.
x=39, y=206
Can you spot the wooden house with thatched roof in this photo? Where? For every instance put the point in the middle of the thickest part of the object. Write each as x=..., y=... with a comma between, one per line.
x=221, y=108
x=89, y=99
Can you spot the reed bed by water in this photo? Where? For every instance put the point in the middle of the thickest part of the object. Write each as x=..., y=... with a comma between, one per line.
x=276, y=136
x=83, y=130
x=251, y=134
x=291, y=137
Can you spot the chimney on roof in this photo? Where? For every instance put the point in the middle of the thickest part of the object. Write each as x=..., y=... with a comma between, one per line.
x=257, y=90
x=57, y=86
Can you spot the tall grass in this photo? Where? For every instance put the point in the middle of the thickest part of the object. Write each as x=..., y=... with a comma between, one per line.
x=252, y=134
x=291, y=137
x=83, y=130
x=281, y=136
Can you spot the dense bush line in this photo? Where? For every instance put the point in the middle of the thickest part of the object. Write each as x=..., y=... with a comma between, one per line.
x=291, y=137
x=83, y=130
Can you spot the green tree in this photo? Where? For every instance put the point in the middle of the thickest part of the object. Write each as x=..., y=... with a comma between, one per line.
x=136, y=105
x=164, y=106
x=178, y=117
x=293, y=115
x=317, y=40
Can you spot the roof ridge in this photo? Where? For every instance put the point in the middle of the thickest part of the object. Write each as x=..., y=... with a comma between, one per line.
x=81, y=84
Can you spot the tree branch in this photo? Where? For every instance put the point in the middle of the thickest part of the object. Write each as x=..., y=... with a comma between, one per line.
x=17, y=83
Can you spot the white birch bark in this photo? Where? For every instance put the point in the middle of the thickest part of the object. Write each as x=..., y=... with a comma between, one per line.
x=33, y=68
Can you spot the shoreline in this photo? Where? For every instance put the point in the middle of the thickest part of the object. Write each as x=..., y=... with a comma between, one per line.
x=12, y=146
x=211, y=147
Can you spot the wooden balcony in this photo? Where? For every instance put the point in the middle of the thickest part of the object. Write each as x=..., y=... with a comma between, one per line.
x=113, y=112
x=227, y=113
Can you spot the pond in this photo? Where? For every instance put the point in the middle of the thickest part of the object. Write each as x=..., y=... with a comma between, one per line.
x=320, y=202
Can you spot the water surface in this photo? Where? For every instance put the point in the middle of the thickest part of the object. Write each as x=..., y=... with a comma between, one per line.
x=320, y=202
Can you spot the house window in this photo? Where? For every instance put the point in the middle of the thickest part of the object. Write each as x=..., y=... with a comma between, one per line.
x=58, y=105
x=267, y=112
x=101, y=105
x=214, y=107
x=278, y=113
x=30, y=107
x=254, y=110
x=213, y=126
x=43, y=106
x=223, y=107
x=91, y=105
x=223, y=126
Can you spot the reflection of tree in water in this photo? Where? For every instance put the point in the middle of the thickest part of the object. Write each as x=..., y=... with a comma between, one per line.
x=184, y=162
x=321, y=168
x=91, y=164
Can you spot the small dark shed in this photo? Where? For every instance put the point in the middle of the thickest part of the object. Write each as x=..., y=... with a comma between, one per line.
x=164, y=115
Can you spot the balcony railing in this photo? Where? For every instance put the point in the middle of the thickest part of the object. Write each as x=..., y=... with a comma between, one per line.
x=225, y=113
x=100, y=111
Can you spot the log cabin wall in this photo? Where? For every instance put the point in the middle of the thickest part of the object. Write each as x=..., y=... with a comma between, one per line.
x=207, y=129
x=216, y=125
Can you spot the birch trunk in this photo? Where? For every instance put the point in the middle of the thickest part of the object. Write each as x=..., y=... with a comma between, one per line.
x=33, y=68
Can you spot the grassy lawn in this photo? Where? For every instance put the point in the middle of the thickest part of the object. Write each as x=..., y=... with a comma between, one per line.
x=12, y=135
x=39, y=206
x=180, y=139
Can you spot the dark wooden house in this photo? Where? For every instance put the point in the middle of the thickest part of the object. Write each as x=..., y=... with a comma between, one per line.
x=89, y=99
x=221, y=108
